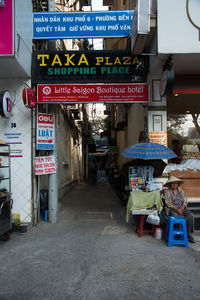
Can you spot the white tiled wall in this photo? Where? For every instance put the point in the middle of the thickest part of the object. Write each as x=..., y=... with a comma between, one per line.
x=20, y=166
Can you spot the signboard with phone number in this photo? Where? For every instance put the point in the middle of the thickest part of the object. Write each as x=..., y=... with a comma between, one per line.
x=45, y=165
x=86, y=93
x=45, y=132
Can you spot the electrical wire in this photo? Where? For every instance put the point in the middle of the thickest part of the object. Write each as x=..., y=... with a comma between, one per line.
x=67, y=5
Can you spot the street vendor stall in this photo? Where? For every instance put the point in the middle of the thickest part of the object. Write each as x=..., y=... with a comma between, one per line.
x=189, y=171
x=141, y=204
x=146, y=154
x=144, y=194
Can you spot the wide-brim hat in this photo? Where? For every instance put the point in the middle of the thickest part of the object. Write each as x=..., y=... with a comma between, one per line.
x=173, y=179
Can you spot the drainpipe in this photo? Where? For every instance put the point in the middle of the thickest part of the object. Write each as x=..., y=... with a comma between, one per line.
x=53, y=185
x=53, y=182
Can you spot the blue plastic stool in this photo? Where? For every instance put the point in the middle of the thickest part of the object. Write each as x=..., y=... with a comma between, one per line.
x=176, y=232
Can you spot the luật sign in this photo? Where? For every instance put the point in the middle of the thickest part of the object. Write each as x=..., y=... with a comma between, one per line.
x=88, y=24
x=87, y=66
x=45, y=132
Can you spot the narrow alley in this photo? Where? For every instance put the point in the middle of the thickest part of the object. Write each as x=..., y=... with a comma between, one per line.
x=92, y=253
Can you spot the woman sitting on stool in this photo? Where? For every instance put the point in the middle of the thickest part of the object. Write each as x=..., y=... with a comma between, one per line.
x=176, y=204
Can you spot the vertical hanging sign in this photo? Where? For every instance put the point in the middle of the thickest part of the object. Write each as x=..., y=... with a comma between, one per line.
x=45, y=132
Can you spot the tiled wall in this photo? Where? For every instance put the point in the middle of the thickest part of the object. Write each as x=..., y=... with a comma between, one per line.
x=17, y=130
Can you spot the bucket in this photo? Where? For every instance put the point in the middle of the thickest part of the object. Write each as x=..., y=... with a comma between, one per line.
x=158, y=233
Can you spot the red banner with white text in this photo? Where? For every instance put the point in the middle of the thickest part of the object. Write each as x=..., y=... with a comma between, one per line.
x=87, y=93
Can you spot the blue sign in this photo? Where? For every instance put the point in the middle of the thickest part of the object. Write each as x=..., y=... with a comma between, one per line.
x=88, y=24
x=45, y=147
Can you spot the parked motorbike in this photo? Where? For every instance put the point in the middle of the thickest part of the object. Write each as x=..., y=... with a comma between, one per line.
x=118, y=182
x=113, y=177
x=121, y=190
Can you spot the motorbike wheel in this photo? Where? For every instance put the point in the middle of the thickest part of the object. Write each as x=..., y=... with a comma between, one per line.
x=124, y=197
x=5, y=237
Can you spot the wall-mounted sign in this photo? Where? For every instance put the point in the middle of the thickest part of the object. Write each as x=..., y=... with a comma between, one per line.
x=166, y=82
x=13, y=138
x=171, y=38
x=45, y=132
x=88, y=66
x=86, y=93
x=45, y=165
x=6, y=28
x=159, y=137
x=5, y=104
x=29, y=98
x=87, y=24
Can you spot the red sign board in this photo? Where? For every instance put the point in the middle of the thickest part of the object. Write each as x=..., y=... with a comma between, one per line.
x=86, y=93
x=29, y=98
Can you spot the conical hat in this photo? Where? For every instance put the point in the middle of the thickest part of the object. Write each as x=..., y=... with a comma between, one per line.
x=173, y=179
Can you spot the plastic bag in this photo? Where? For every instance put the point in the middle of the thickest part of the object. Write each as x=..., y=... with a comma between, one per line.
x=153, y=218
x=16, y=218
x=163, y=217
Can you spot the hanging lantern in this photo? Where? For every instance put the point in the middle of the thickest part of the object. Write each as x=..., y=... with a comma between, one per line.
x=29, y=98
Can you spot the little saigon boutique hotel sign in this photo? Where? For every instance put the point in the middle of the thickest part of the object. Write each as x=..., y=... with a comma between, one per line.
x=86, y=93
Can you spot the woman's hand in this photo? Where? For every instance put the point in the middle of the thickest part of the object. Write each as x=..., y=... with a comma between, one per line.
x=178, y=211
x=182, y=208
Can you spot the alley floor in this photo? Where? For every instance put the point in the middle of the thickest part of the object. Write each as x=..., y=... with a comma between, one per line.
x=93, y=254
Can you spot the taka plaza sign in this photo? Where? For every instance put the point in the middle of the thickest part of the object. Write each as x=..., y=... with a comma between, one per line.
x=88, y=93
x=88, y=66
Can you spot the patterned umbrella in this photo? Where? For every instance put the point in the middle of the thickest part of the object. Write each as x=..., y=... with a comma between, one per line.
x=148, y=151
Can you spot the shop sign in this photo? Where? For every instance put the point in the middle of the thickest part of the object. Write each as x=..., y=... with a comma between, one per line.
x=166, y=82
x=45, y=132
x=91, y=93
x=45, y=165
x=159, y=137
x=29, y=98
x=6, y=28
x=87, y=66
x=78, y=25
x=5, y=104
x=13, y=138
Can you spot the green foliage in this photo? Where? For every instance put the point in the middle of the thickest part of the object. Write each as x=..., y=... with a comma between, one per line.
x=97, y=125
x=106, y=123
x=174, y=124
